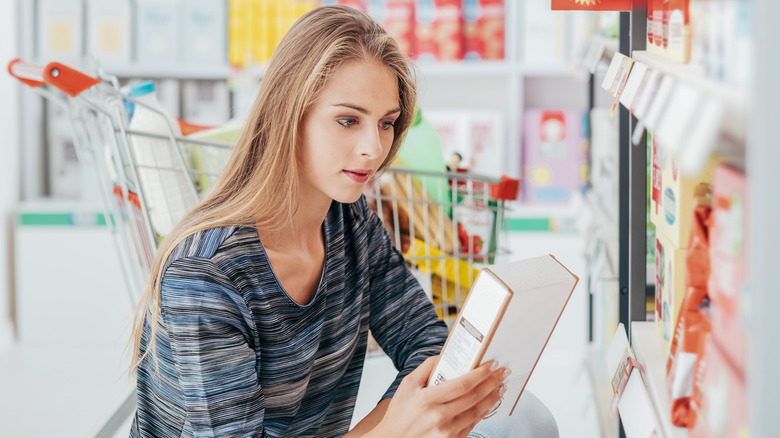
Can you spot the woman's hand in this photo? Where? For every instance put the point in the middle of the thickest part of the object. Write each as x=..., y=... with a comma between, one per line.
x=450, y=409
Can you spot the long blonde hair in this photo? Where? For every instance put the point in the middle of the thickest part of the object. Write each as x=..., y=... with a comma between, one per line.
x=259, y=182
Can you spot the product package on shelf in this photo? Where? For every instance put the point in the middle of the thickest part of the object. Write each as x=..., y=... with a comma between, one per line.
x=59, y=27
x=483, y=29
x=724, y=397
x=728, y=252
x=669, y=288
x=439, y=30
x=204, y=32
x=679, y=46
x=672, y=197
x=686, y=353
x=397, y=17
x=109, y=31
x=157, y=28
x=554, y=155
x=655, y=27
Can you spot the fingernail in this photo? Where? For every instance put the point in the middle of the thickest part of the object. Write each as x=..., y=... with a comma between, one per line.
x=506, y=373
x=493, y=365
x=501, y=390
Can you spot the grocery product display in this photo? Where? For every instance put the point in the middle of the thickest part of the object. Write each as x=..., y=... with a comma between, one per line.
x=681, y=98
x=683, y=83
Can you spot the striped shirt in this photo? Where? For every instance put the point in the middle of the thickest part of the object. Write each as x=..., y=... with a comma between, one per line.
x=238, y=357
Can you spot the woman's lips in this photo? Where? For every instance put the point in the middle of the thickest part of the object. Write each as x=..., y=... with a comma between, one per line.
x=358, y=175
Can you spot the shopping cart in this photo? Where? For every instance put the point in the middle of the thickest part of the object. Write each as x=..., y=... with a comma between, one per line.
x=446, y=224
x=136, y=191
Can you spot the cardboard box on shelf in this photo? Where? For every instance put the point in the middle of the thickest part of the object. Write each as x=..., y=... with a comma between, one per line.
x=724, y=399
x=655, y=11
x=158, y=26
x=554, y=155
x=438, y=30
x=397, y=17
x=204, y=32
x=728, y=258
x=672, y=196
x=109, y=31
x=669, y=288
x=483, y=29
x=679, y=47
x=59, y=27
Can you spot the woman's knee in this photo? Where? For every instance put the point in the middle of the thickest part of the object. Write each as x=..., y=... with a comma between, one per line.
x=530, y=419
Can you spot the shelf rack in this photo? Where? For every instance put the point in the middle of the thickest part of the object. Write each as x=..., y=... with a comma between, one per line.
x=748, y=131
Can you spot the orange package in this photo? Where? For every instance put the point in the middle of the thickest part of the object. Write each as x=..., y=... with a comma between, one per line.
x=686, y=351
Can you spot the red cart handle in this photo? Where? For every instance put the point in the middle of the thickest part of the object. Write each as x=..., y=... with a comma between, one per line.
x=70, y=81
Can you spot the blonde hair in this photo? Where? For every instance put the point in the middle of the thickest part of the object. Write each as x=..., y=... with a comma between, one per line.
x=259, y=182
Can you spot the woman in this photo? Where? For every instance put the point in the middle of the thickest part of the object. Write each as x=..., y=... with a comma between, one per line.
x=256, y=319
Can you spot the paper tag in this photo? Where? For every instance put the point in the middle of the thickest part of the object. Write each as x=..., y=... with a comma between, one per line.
x=612, y=73
x=675, y=121
x=620, y=378
x=658, y=105
x=636, y=81
x=625, y=72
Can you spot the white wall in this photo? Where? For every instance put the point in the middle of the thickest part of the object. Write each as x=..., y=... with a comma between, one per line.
x=9, y=164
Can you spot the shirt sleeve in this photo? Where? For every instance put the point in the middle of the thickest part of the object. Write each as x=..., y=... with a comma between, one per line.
x=211, y=343
x=402, y=318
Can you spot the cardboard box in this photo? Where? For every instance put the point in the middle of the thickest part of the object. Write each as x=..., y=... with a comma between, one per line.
x=509, y=315
x=655, y=13
x=724, y=399
x=672, y=196
x=728, y=261
x=483, y=29
x=554, y=155
x=109, y=31
x=60, y=25
x=669, y=289
x=438, y=30
x=204, y=32
x=158, y=27
x=679, y=46
x=397, y=17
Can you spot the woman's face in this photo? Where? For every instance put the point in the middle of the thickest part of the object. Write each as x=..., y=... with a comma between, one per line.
x=348, y=132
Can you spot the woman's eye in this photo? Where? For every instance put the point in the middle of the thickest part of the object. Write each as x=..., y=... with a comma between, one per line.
x=346, y=122
x=387, y=125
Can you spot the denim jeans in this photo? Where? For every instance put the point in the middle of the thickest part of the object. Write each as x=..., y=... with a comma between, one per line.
x=531, y=419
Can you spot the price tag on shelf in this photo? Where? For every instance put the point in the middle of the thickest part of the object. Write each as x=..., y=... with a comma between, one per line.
x=658, y=104
x=704, y=132
x=636, y=81
x=593, y=56
x=612, y=78
x=625, y=72
x=644, y=97
x=677, y=117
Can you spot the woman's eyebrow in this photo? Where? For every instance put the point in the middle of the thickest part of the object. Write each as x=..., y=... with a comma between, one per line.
x=362, y=110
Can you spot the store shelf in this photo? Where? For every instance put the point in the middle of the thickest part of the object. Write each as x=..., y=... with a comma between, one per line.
x=547, y=71
x=732, y=97
x=648, y=352
x=175, y=72
x=602, y=390
x=466, y=69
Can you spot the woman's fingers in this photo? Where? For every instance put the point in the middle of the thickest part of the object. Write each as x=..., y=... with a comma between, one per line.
x=454, y=389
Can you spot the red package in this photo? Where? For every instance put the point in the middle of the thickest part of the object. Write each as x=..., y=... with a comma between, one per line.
x=686, y=352
x=398, y=20
x=483, y=29
x=438, y=30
